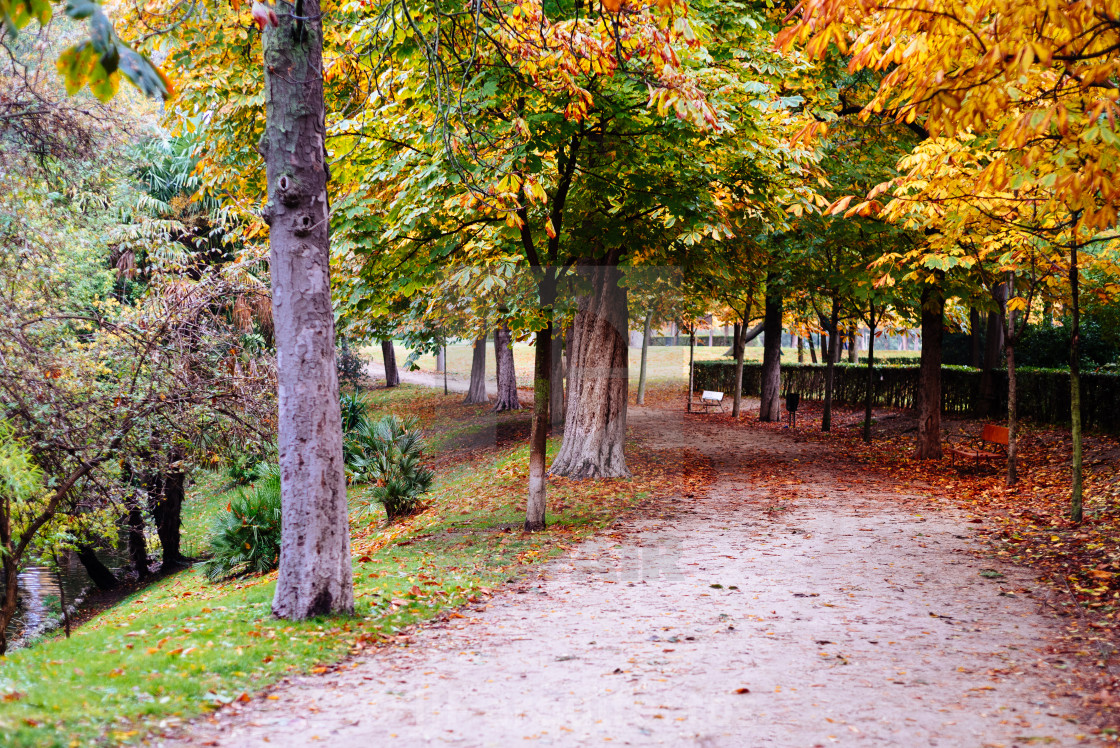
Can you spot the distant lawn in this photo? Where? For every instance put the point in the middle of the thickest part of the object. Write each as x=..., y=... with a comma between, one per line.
x=666, y=363
x=184, y=645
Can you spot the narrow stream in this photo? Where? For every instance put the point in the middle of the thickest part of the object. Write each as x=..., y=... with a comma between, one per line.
x=39, y=609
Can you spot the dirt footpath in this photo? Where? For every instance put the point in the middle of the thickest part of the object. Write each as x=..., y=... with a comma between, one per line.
x=848, y=615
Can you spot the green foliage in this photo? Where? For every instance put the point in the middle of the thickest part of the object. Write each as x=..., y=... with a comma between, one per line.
x=245, y=468
x=388, y=454
x=1048, y=345
x=246, y=538
x=351, y=368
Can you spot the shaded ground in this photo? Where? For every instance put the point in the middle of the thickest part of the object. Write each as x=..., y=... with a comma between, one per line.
x=791, y=604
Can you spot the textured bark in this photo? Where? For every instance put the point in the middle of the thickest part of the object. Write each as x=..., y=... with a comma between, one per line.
x=929, y=376
x=389, y=355
x=869, y=394
x=974, y=337
x=556, y=381
x=993, y=348
x=137, y=542
x=800, y=349
x=770, y=408
x=535, y=507
x=100, y=574
x=11, y=589
x=812, y=349
x=739, y=345
x=645, y=353
x=691, y=367
x=315, y=575
x=167, y=512
x=441, y=361
x=507, y=376
x=831, y=354
x=476, y=393
x=1075, y=504
x=853, y=346
x=595, y=424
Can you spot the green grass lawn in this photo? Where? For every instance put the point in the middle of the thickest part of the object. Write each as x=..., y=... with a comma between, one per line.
x=184, y=645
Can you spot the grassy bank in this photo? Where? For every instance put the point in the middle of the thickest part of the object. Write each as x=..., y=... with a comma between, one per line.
x=183, y=645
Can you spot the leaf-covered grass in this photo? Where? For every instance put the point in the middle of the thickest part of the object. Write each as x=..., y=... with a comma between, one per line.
x=184, y=645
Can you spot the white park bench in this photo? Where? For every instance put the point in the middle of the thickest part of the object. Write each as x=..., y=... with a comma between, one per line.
x=711, y=399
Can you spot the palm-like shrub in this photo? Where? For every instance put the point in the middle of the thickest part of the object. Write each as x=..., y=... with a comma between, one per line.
x=246, y=539
x=388, y=454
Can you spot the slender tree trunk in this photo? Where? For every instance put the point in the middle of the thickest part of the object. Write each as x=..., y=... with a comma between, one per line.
x=315, y=576
x=812, y=349
x=101, y=575
x=595, y=425
x=691, y=366
x=993, y=347
x=853, y=346
x=556, y=385
x=535, y=508
x=1076, y=511
x=507, y=376
x=869, y=395
x=11, y=590
x=137, y=542
x=974, y=337
x=800, y=349
x=929, y=377
x=770, y=408
x=830, y=370
x=645, y=354
x=389, y=355
x=476, y=393
x=61, y=594
x=441, y=361
x=740, y=347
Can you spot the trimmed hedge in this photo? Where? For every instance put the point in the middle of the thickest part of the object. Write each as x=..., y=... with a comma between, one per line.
x=1043, y=393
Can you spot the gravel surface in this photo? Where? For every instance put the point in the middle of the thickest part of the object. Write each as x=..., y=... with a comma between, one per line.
x=850, y=613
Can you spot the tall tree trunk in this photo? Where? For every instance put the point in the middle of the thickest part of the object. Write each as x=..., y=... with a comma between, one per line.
x=507, y=376
x=315, y=576
x=993, y=348
x=974, y=337
x=800, y=349
x=1012, y=407
x=691, y=366
x=645, y=353
x=165, y=501
x=595, y=425
x=137, y=542
x=1076, y=511
x=676, y=334
x=739, y=345
x=389, y=355
x=869, y=395
x=441, y=361
x=101, y=575
x=812, y=349
x=770, y=409
x=831, y=355
x=476, y=393
x=853, y=346
x=11, y=590
x=556, y=384
x=929, y=376
x=535, y=507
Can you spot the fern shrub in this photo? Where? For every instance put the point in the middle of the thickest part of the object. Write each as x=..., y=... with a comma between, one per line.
x=388, y=454
x=246, y=538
